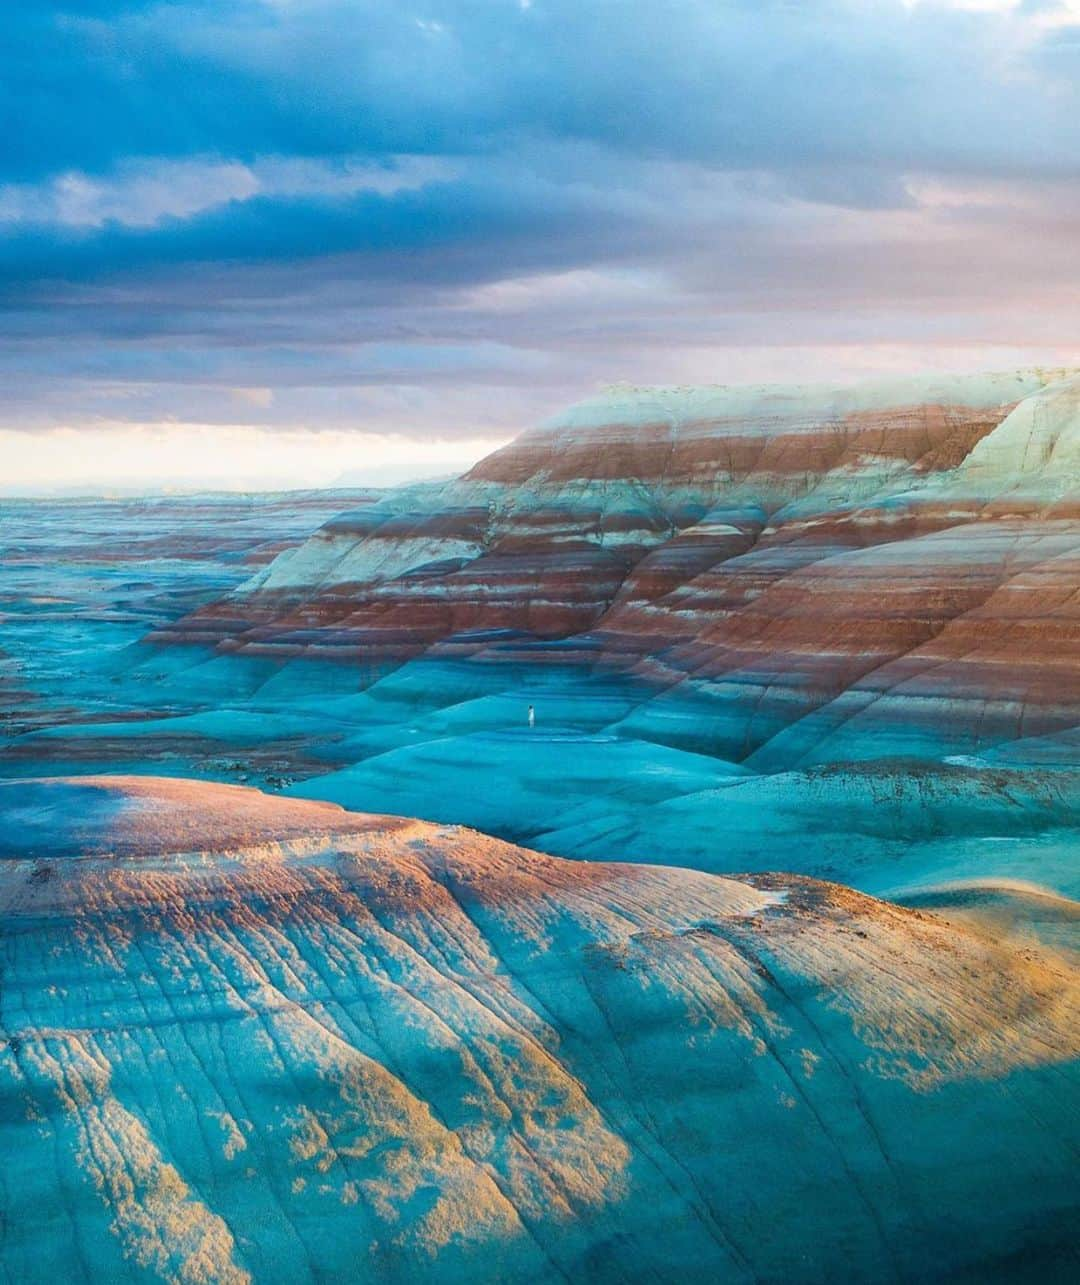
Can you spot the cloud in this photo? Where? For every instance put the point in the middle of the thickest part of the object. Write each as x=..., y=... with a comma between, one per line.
x=455, y=214
x=730, y=82
x=146, y=192
x=260, y=397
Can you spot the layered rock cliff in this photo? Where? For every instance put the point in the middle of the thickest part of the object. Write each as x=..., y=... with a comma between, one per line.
x=622, y=500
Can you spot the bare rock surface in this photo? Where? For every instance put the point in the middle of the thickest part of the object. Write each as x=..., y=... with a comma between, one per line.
x=247, y=1038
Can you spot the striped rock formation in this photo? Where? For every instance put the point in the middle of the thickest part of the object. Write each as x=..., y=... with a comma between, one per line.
x=791, y=574
x=703, y=593
x=253, y=1039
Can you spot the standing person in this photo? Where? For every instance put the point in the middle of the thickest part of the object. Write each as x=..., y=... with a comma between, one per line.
x=532, y=717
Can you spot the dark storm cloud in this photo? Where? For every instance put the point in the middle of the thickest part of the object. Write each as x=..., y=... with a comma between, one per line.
x=760, y=82
x=318, y=196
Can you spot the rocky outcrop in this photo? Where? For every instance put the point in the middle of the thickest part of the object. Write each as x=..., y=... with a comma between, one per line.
x=245, y=1038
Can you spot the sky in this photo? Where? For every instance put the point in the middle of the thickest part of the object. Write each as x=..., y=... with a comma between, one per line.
x=265, y=243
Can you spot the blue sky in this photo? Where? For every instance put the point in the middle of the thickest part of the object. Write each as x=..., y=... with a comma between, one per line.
x=254, y=241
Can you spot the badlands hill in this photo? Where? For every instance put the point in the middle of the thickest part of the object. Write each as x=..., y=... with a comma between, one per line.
x=545, y=534
x=790, y=575
x=247, y=1038
x=745, y=617
x=833, y=633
